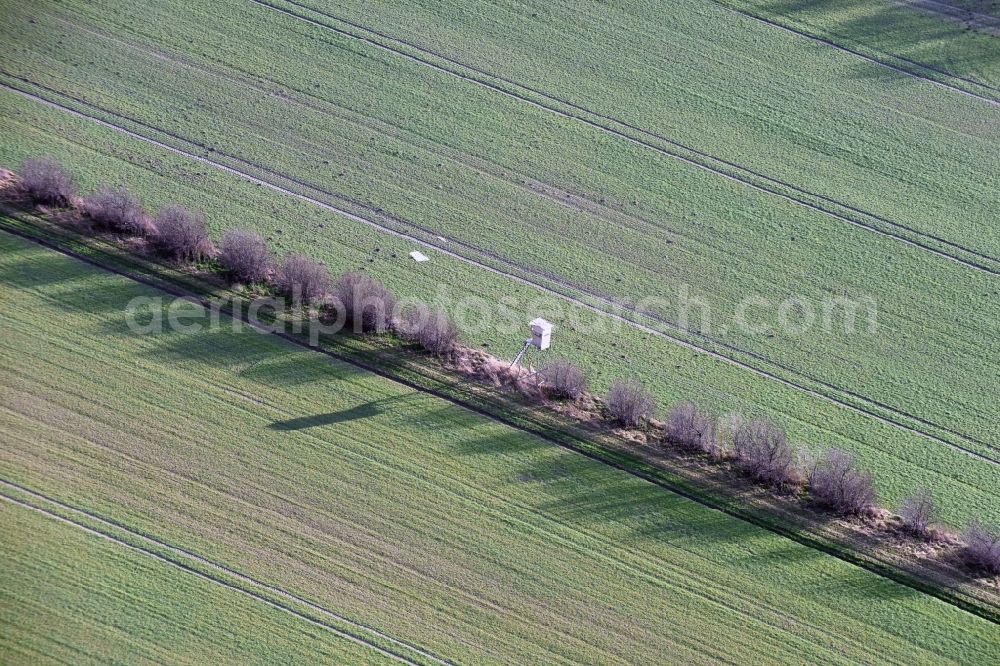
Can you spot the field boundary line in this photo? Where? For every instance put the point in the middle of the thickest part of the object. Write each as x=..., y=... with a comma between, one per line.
x=188, y=561
x=743, y=175
x=618, y=310
x=580, y=445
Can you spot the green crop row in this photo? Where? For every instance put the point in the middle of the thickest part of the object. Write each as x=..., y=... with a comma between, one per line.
x=72, y=597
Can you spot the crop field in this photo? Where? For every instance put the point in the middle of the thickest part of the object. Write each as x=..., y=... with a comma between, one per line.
x=400, y=512
x=901, y=460
x=91, y=601
x=722, y=174
x=916, y=39
x=701, y=75
x=776, y=209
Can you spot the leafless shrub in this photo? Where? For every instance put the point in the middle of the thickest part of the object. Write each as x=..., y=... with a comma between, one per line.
x=301, y=277
x=529, y=384
x=116, y=209
x=629, y=402
x=982, y=547
x=245, y=255
x=433, y=330
x=368, y=305
x=762, y=450
x=725, y=434
x=181, y=235
x=836, y=483
x=481, y=365
x=45, y=182
x=563, y=379
x=919, y=513
x=692, y=429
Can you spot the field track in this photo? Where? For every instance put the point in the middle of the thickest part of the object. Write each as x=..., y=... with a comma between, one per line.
x=185, y=559
x=798, y=537
x=554, y=286
x=404, y=512
x=875, y=61
x=975, y=20
x=691, y=156
x=573, y=200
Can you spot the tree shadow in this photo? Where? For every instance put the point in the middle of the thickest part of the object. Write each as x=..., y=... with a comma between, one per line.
x=35, y=271
x=295, y=368
x=509, y=444
x=357, y=412
x=917, y=36
x=583, y=494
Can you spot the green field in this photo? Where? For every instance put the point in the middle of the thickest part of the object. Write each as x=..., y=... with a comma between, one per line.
x=901, y=460
x=698, y=74
x=400, y=511
x=916, y=40
x=567, y=205
x=988, y=7
x=89, y=601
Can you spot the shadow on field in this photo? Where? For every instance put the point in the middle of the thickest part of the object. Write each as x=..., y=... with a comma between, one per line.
x=362, y=411
x=258, y=358
x=642, y=512
x=507, y=443
x=296, y=368
x=29, y=269
x=586, y=494
x=644, y=518
x=887, y=30
x=65, y=283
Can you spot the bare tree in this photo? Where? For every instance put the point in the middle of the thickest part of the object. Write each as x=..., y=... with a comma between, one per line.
x=45, y=182
x=433, y=330
x=300, y=276
x=563, y=379
x=245, y=255
x=182, y=236
x=367, y=304
x=836, y=483
x=630, y=403
x=982, y=547
x=726, y=428
x=919, y=513
x=762, y=450
x=115, y=208
x=692, y=429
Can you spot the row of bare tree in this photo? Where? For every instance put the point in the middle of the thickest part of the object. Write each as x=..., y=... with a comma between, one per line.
x=831, y=479
x=759, y=447
x=181, y=236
